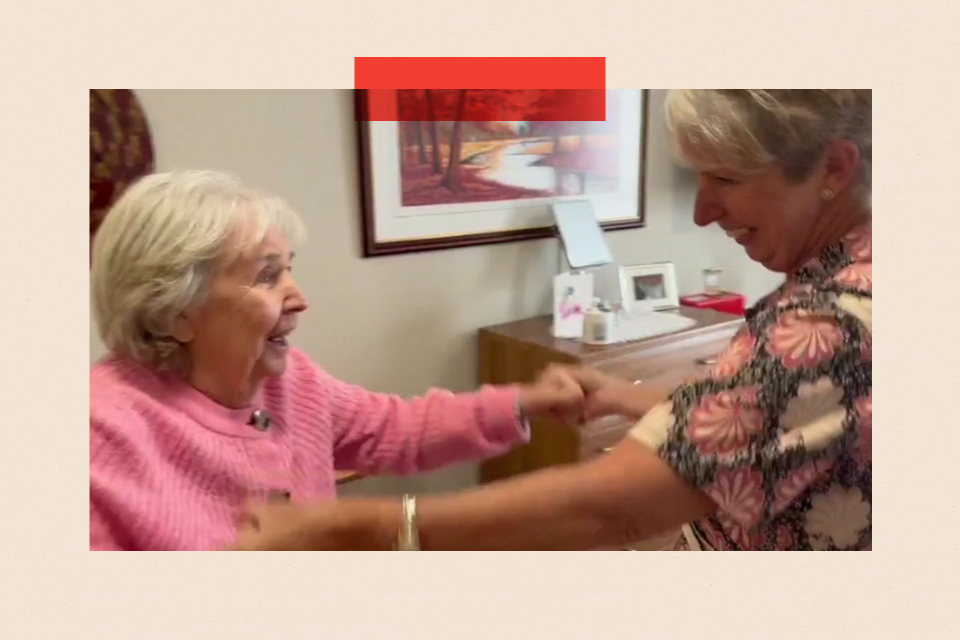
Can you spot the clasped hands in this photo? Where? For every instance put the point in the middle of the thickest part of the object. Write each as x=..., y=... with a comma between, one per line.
x=575, y=395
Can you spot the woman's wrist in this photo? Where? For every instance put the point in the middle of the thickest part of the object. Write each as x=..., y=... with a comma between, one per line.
x=526, y=399
x=385, y=525
x=364, y=524
x=638, y=399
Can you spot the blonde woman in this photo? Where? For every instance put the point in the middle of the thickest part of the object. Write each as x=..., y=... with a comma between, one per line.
x=203, y=405
x=771, y=449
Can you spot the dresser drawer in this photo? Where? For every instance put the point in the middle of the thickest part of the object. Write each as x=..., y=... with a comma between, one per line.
x=684, y=360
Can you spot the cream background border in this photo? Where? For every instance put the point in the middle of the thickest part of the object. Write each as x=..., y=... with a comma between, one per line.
x=51, y=587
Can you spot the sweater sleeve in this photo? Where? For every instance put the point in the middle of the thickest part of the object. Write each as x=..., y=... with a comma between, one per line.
x=107, y=486
x=103, y=534
x=122, y=483
x=382, y=433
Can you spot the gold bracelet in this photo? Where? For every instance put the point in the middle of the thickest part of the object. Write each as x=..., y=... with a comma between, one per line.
x=409, y=537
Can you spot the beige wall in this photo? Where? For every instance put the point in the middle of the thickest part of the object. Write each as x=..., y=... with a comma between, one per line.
x=403, y=323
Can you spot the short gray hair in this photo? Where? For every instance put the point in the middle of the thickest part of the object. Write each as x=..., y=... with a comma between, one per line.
x=157, y=246
x=751, y=129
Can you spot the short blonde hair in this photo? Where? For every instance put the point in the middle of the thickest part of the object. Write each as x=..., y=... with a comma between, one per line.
x=751, y=129
x=157, y=246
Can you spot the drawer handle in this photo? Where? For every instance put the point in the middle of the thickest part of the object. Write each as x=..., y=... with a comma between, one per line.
x=606, y=449
x=707, y=361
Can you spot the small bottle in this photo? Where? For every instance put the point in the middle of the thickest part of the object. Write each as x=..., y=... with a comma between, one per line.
x=711, y=281
x=597, y=324
x=591, y=320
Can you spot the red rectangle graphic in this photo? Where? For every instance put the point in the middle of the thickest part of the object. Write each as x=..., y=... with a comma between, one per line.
x=503, y=89
x=480, y=73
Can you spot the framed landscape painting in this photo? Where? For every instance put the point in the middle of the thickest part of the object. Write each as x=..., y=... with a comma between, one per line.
x=435, y=179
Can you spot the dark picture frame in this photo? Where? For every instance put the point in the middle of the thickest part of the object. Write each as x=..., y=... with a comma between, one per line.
x=375, y=243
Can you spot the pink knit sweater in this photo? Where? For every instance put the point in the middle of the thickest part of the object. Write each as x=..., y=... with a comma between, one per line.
x=172, y=469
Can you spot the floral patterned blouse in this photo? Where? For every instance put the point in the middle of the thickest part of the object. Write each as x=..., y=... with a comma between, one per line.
x=779, y=431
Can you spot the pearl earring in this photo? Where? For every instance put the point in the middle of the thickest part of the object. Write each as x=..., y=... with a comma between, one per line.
x=827, y=194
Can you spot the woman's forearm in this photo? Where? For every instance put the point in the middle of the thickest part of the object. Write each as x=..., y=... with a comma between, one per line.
x=626, y=496
x=631, y=398
x=553, y=509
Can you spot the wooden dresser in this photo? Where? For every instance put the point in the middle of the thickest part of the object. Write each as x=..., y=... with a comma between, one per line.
x=518, y=351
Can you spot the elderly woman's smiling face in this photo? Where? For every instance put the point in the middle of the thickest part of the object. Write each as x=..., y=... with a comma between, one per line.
x=237, y=336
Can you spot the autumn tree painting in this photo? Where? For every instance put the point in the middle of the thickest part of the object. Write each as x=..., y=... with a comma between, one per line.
x=451, y=152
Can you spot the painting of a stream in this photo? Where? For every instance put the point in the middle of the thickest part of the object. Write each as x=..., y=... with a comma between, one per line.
x=455, y=160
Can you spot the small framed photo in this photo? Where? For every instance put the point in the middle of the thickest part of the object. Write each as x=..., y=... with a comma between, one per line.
x=653, y=284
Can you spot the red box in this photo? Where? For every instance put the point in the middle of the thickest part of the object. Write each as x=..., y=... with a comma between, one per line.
x=725, y=302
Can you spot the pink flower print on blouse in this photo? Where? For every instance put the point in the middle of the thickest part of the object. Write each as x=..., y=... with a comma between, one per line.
x=738, y=353
x=858, y=275
x=796, y=483
x=714, y=536
x=784, y=538
x=804, y=339
x=746, y=538
x=723, y=423
x=739, y=498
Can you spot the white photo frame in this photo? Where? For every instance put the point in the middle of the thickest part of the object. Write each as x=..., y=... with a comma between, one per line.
x=653, y=284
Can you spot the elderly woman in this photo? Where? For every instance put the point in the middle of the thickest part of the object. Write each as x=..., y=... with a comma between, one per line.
x=203, y=405
x=769, y=450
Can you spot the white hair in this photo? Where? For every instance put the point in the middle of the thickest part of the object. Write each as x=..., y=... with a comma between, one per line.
x=156, y=248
